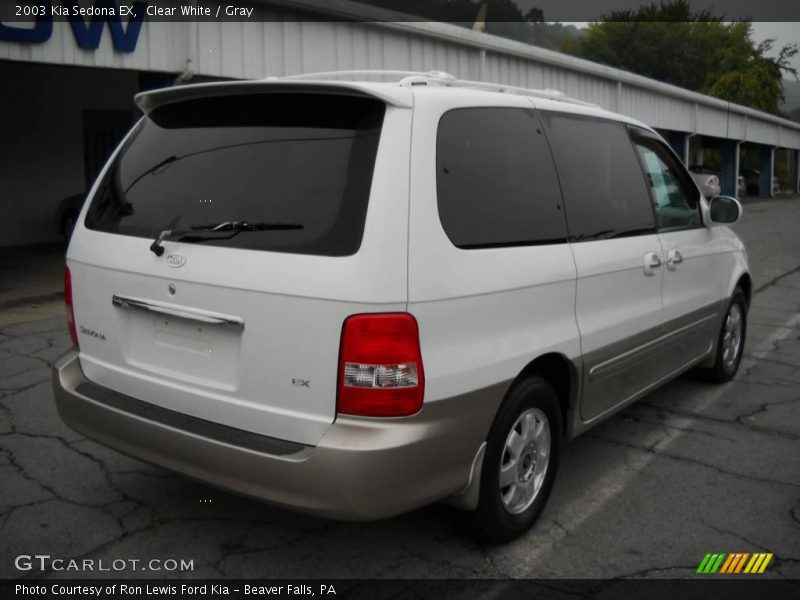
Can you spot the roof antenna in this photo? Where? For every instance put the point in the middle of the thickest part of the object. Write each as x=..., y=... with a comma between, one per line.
x=480, y=19
x=188, y=73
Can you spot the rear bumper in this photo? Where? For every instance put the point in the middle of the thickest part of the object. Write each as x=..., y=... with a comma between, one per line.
x=361, y=469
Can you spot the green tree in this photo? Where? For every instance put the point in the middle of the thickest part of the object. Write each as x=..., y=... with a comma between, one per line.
x=694, y=50
x=758, y=83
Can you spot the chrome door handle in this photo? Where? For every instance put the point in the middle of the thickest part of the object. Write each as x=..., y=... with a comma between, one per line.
x=652, y=261
x=674, y=258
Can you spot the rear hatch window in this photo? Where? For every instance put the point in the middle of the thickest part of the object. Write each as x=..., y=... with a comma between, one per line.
x=296, y=167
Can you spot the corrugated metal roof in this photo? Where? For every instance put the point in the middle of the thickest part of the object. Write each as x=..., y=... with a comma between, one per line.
x=287, y=40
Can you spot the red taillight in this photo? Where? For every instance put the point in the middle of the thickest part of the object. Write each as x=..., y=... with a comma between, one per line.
x=73, y=332
x=380, y=366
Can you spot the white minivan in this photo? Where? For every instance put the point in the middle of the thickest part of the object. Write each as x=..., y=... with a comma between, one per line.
x=356, y=298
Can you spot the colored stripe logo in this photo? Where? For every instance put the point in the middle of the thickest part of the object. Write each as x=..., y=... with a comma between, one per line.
x=734, y=563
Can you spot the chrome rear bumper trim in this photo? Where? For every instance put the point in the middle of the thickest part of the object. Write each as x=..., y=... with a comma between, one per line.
x=178, y=312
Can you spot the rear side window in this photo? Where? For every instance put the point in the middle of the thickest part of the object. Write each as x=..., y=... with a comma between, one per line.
x=302, y=160
x=495, y=180
x=604, y=189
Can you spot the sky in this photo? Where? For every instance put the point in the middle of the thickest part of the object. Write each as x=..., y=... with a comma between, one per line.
x=784, y=33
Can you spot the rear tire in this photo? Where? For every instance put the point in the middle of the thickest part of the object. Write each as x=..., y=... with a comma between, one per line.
x=519, y=468
x=730, y=340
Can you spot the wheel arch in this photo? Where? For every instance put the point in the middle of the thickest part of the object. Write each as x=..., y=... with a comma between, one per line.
x=741, y=280
x=561, y=373
x=745, y=282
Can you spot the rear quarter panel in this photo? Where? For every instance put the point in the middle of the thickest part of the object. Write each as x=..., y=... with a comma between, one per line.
x=483, y=314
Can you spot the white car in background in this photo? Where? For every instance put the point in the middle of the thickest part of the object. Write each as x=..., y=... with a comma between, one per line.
x=707, y=180
x=741, y=187
x=354, y=299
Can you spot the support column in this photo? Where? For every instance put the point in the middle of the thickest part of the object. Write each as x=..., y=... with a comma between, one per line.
x=730, y=167
x=766, y=155
x=679, y=142
x=695, y=150
x=796, y=177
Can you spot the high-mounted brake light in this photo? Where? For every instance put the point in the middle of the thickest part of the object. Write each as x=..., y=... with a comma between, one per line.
x=380, y=366
x=73, y=332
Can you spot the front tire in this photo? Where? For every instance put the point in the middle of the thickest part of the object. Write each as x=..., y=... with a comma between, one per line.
x=521, y=461
x=730, y=341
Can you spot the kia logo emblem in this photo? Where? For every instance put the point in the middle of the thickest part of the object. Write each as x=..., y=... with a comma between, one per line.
x=176, y=261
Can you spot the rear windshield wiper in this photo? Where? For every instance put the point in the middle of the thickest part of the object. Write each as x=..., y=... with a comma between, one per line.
x=199, y=233
x=228, y=229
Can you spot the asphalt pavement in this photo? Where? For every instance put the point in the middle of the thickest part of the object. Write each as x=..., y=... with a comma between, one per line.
x=691, y=469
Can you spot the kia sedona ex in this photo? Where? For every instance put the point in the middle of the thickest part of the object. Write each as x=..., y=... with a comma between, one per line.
x=357, y=298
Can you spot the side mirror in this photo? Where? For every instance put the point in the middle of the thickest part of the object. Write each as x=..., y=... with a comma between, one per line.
x=724, y=210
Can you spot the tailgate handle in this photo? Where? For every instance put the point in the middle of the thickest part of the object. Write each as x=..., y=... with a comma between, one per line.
x=178, y=312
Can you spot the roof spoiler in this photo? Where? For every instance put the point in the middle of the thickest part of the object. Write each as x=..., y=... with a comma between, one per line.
x=394, y=96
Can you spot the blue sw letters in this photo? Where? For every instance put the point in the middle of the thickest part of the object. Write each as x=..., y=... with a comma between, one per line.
x=86, y=36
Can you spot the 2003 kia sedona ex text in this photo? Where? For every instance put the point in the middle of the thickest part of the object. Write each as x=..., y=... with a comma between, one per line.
x=357, y=298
